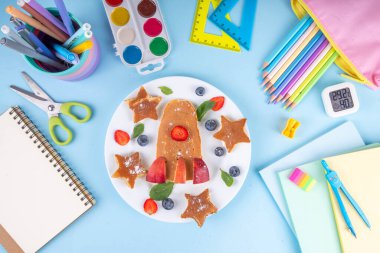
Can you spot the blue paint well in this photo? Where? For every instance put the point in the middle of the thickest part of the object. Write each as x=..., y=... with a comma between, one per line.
x=132, y=54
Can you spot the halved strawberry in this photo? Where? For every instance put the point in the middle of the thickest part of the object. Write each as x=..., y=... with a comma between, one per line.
x=219, y=102
x=201, y=174
x=122, y=138
x=157, y=171
x=150, y=206
x=180, y=171
x=179, y=133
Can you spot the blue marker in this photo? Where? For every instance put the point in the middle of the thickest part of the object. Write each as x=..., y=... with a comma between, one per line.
x=65, y=55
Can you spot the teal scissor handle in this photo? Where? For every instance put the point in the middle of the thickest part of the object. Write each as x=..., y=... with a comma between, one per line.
x=55, y=122
x=66, y=110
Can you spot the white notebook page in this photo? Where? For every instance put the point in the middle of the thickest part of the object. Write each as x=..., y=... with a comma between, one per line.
x=36, y=202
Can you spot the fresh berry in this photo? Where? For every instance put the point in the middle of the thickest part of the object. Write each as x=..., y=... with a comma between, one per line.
x=168, y=204
x=180, y=171
x=122, y=138
x=150, y=206
x=157, y=171
x=219, y=151
x=201, y=174
x=179, y=133
x=211, y=124
x=219, y=102
x=143, y=140
x=200, y=91
x=234, y=171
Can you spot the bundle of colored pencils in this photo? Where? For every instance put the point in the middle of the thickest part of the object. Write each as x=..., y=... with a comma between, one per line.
x=53, y=41
x=296, y=65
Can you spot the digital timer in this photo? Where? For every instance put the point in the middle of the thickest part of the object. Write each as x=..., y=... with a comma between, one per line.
x=340, y=100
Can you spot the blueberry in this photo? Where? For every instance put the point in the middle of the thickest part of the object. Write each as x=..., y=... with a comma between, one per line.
x=168, y=204
x=142, y=140
x=200, y=91
x=234, y=171
x=219, y=151
x=211, y=124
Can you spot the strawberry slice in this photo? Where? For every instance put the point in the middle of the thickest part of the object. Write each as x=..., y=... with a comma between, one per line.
x=201, y=174
x=150, y=206
x=157, y=171
x=219, y=102
x=180, y=171
x=122, y=138
x=179, y=133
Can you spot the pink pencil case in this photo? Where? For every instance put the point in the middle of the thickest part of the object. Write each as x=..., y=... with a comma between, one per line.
x=353, y=29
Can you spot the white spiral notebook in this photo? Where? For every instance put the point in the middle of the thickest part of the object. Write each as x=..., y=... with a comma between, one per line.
x=39, y=194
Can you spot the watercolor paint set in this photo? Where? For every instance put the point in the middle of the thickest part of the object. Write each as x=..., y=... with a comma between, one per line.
x=141, y=38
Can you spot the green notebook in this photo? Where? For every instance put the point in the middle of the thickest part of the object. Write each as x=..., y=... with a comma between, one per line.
x=311, y=212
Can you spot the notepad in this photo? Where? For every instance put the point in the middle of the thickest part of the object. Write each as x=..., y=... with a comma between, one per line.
x=360, y=174
x=39, y=194
x=311, y=212
x=334, y=142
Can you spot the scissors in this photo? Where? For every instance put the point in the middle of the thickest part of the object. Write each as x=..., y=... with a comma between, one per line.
x=53, y=109
x=335, y=183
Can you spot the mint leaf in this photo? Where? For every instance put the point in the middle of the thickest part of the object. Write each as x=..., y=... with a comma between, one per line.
x=161, y=191
x=137, y=130
x=228, y=180
x=204, y=108
x=166, y=90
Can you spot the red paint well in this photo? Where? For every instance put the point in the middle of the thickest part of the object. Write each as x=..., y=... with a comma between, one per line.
x=153, y=27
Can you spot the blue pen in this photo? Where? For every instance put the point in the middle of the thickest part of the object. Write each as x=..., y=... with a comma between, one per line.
x=283, y=52
x=65, y=55
x=299, y=66
x=39, y=46
x=336, y=184
x=297, y=60
x=281, y=46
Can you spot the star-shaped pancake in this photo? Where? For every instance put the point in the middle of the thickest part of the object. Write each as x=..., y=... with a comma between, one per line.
x=232, y=133
x=143, y=106
x=199, y=207
x=129, y=169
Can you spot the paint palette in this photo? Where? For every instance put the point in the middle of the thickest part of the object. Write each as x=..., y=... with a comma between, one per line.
x=141, y=38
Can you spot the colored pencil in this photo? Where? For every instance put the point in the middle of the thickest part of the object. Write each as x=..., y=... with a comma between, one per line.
x=314, y=72
x=288, y=81
x=303, y=69
x=286, y=40
x=306, y=44
x=36, y=6
x=39, y=17
x=13, y=35
x=290, y=55
x=31, y=21
x=82, y=47
x=65, y=16
x=29, y=52
x=294, y=39
x=275, y=85
x=308, y=72
x=315, y=79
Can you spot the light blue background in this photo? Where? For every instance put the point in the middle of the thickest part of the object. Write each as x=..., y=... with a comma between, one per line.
x=252, y=222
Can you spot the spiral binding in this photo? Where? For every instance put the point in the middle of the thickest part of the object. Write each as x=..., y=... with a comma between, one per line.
x=54, y=157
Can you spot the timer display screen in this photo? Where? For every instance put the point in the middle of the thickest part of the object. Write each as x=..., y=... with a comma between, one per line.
x=341, y=99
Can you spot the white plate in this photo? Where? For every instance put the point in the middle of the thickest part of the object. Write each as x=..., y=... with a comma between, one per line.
x=184, y=88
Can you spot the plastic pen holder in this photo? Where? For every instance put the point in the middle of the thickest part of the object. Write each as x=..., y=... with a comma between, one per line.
x=88, y=61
